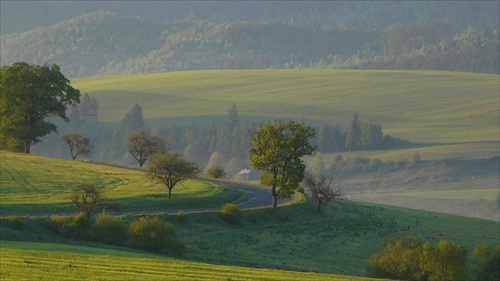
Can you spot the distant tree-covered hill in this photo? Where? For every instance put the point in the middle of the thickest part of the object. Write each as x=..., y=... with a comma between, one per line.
x=103, y=43
x=481, y=14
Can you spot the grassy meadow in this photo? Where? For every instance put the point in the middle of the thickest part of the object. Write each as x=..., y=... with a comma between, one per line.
x=35, y=184
x=295, y=240
x=63, y=262
x=422, y=106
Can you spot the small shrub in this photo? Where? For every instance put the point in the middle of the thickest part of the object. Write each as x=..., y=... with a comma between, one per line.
x=109, y=229
x=231, y=214
x=216, y=172
x=15, y=222
x=181, y=216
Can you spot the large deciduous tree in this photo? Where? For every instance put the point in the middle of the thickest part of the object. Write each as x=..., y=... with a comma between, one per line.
x=171, y=168
x=277, y=151
x=78, y=144
x=142, y=145
x=28, y=95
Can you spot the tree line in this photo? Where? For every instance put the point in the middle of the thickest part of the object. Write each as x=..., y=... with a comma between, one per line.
x=205, y=143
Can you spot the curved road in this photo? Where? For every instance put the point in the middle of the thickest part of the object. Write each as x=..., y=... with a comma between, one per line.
x=257, y=197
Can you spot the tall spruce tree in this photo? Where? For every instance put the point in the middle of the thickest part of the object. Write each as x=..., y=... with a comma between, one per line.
x=233, y=118
x=353, y=136
x=134, y=119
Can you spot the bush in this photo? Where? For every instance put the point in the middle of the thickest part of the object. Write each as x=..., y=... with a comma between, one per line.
x=75, y=227
x=153, y=234
x=216, y=172
x=410, y=259
x=14, y=222
x=231, y=214
x=181, y=216
x=486, y=263
x=109, y=229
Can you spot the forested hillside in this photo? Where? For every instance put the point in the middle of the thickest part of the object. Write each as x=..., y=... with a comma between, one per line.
x=104, y=43
x=350, y=14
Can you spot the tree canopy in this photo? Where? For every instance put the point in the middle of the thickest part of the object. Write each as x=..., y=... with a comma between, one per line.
x=142, y=145
x=28, y=95
x=78, y=144
x=277, y=151
x=171, y=168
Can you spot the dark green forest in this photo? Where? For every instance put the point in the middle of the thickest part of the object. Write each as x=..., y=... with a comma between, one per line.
x=105, y=43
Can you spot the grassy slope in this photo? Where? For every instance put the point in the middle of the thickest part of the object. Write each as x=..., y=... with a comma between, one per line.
x=31, y=183
x=425, y=106
x=340, y=240
x=296, y=238
x=80, y=263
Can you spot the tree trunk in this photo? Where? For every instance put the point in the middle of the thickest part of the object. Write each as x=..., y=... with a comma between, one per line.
x=169, y=192
x=275, y=198
x=318, y=208
x=27, y=146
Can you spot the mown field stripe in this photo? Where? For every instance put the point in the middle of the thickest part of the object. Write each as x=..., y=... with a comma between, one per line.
x=45, y=265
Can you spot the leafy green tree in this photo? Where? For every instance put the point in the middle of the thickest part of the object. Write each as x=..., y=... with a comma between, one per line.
x=277, y=151
x=142, y=145
x=410, y=259
x=400, y=260
x=134, y=119
x=446, y=262
x=171, y=168
x=216, y=172
x=28, y=95
x=78, y=144
x=487, y=263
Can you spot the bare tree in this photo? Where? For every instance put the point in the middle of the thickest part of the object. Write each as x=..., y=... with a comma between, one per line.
x=142, y=145
x=78, y=144
x=90, y=201
x=322, y=188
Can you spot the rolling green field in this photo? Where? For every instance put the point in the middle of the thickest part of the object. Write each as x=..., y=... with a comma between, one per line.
x=33, y=184
x=62, y=262
x=423, y=106
x=444, y=115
